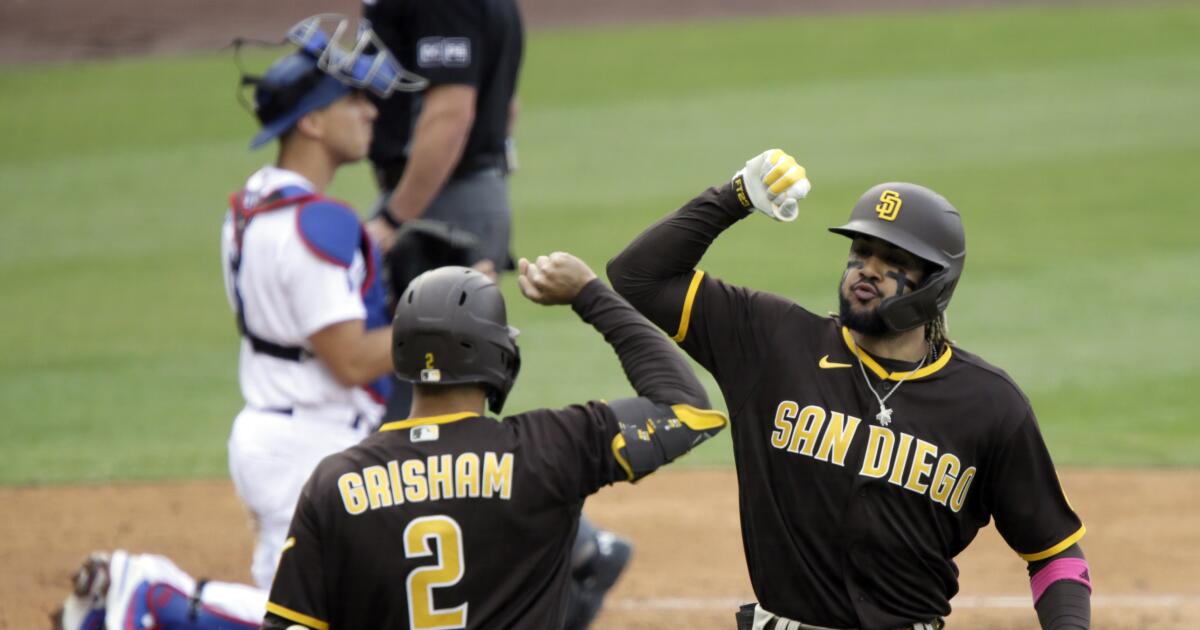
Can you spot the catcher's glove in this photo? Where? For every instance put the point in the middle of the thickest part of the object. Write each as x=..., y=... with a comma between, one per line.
x=422, y=245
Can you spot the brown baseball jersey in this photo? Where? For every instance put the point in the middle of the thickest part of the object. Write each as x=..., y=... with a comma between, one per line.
x=465, y=521
x=469, y=522
x=847, y=522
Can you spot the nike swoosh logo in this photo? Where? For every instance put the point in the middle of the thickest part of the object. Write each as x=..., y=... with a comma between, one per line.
x=826, y=364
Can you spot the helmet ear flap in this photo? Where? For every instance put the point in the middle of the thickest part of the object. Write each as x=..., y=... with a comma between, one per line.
x=498, y=395
x=922, y=305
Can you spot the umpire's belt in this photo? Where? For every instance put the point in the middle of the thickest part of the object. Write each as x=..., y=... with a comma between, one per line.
x=764, y=620
x=388, y=174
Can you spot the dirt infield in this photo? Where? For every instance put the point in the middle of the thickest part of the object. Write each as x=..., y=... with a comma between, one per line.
x=687, y=572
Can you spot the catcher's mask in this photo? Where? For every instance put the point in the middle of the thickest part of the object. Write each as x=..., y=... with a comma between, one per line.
x=921, y=222
x=333, y=58
x=451, y=328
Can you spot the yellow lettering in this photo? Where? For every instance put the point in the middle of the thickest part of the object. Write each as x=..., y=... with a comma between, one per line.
x=879, y=452
x=353, y=497
x=397, y=487
x=497, y=475
x=807, y=428
x=838, y=434
x=921, y=467
x=960, y=491
x=786, y=411
x=440, y=472
x=901, y=459
x=466, y=475
x=944, y=478
x=416, y=488
x=377, y=487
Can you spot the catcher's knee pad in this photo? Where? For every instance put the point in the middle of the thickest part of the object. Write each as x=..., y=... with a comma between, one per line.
x=599, y=560
x=160, y=606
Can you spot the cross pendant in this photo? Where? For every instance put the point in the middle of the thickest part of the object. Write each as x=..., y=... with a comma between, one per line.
x=884, y=416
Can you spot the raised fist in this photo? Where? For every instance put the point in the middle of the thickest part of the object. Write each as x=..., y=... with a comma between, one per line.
x=772, y=183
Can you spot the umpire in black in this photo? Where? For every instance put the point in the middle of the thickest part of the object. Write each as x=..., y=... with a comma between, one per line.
x=441, y=154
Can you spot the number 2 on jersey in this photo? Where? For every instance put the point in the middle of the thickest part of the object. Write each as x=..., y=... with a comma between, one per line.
x=447, y=572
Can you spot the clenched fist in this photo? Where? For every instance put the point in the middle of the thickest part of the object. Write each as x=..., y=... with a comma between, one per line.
x=772, y=183
x=553, y=279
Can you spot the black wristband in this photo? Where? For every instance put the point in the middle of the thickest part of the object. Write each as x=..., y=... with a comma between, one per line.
x=387, y=217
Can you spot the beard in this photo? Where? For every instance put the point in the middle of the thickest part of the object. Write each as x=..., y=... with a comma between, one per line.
x=869, y=323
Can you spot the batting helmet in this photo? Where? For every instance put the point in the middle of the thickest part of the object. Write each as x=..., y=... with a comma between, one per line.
x=921, y=222
x=332, y=60
x=451, y=328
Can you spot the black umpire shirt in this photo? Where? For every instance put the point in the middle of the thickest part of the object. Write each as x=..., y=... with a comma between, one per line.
x=846, y=522
x=449, y=42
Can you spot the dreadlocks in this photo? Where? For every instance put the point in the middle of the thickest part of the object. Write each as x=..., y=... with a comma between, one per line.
x=937, y=335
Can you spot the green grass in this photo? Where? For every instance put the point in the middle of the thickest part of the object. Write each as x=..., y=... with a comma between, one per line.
x=1067, y=137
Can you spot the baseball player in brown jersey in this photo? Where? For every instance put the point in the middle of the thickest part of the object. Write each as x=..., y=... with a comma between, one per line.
x=453, y=519
x=869, y=449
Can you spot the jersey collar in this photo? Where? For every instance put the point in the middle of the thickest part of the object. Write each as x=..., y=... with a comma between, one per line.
x=443, y=419
x=887, y=375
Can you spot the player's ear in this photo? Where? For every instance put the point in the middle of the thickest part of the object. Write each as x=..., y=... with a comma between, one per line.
x=312, y=124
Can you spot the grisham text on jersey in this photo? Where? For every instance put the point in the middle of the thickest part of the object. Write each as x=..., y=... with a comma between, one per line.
x=904, y=460
x=437, y=477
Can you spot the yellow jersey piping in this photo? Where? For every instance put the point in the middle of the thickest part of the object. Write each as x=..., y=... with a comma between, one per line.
x=687, y=307
x=884, y=374
x=443, y=419
x=1067, y=542
x=291, y=615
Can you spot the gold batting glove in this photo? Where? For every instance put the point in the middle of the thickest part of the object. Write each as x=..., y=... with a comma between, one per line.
x=772, y=183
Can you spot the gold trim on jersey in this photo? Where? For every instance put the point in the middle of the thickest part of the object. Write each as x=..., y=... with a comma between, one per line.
x=443, y=419
x=1056, y=549
x=687, y=307
x=884, y=374
x=291, y=615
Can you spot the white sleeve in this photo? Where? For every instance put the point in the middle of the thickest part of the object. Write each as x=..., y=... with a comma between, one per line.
x=322, y=293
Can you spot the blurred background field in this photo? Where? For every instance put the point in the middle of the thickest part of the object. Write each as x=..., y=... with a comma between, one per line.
x=1067, y=136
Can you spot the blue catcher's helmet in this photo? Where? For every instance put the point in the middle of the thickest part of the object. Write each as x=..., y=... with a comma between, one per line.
x=332, y=60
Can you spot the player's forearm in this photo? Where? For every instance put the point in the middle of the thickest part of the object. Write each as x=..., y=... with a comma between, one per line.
x=1065, y=606
x=655, y=369
x=673, y=246
x=1062, y=590
x=353, y=355
x=437, y=146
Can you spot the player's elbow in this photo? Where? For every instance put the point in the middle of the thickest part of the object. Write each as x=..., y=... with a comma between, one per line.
x=619, y=276
x=644, y=446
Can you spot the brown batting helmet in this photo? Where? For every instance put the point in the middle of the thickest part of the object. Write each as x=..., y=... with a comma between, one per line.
x=451, y=328
x=921, y=222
